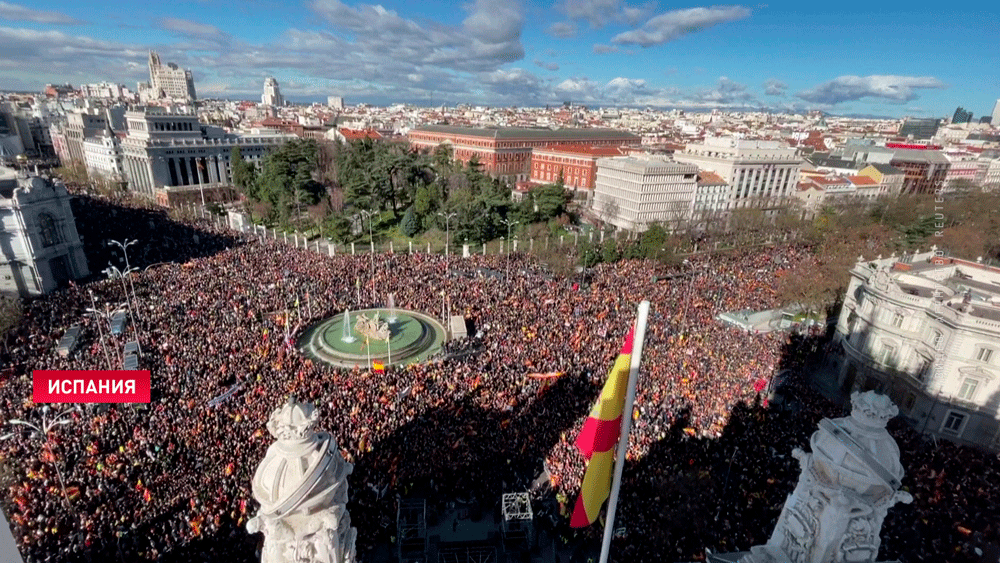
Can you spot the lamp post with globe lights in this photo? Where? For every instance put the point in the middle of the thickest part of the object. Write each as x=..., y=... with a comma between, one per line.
x=42, y=430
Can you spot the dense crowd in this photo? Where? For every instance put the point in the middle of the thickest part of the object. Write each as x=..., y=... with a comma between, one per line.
x=709, y=464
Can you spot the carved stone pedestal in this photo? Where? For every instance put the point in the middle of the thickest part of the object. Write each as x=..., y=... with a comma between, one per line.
x=847, y=485
x=302, y=488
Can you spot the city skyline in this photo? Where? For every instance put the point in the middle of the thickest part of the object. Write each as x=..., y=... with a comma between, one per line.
x=776, y=56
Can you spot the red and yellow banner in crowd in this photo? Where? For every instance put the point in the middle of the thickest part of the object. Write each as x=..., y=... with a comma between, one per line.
x=598, y=438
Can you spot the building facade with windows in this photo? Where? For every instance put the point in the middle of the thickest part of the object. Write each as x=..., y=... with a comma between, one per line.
x=272, y=93
x=168, y=81
x=505, y=152
x=172, y=148
x=576, y=165
x=633, y=192
x=40, y=249
x=760, y=173
x=103, y=157
x=919, y=128
x=925, y=330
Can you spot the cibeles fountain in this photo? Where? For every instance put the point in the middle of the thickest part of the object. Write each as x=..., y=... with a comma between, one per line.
x=846, y=487
x=301, y=486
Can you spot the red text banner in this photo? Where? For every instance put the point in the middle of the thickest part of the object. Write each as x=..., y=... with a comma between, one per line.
x=90, y=386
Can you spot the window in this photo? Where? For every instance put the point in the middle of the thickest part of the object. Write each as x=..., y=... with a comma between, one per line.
x=888, y=355
x=923, y=369
x=908, y=403
x=897, y=320
x=47, y=229
x=953, y=423
x=968, y=390
x=984, y=354
x=936, y=339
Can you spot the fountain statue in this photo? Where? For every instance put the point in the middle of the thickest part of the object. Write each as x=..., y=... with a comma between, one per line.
x=301, y=486
x=347, y=337
x=847, y=485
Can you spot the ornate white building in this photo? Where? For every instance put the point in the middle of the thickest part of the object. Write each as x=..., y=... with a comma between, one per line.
x=632, y=192
x=925, y=330
x=40, y=249
x=761, y=173
x=167, y=81
x=102, y=155
x=172, y=148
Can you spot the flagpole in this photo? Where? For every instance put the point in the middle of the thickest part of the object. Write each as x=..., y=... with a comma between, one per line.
x=633, y=376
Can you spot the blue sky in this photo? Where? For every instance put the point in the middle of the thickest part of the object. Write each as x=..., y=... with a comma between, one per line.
x=880, y=58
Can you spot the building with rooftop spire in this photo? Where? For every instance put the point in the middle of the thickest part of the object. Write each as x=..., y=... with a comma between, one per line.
x=272, y=94
x=167, y=81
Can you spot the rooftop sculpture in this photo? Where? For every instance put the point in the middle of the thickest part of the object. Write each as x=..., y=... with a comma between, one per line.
x=301, y=486
x=847, y=485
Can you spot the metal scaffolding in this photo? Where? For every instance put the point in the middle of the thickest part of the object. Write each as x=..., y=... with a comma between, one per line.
x=411, y=529
x=517, y=518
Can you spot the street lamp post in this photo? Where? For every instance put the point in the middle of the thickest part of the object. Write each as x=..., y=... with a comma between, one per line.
x=47, y=425
x=688, y=284
x=447, y=240
x=112, y=271
x=371, y=241
x=128, y=266
x=97, y=313
x=509, y=224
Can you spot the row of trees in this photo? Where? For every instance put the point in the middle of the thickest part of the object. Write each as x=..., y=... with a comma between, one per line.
x=326, y=185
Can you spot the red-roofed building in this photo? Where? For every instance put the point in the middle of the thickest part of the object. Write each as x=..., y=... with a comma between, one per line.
x=865, y=187
x=811, y=195
x=346, y=135
x=577, y=164
x=506, y=152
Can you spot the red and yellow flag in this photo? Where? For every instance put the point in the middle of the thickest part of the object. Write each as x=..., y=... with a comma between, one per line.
x=598, y=438
x=379, y=367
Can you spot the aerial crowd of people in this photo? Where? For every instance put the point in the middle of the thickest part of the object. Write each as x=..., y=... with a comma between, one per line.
x=216, y=312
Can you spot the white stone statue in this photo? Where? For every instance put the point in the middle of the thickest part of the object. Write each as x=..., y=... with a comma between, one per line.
x=847, y=485
x=302, y=489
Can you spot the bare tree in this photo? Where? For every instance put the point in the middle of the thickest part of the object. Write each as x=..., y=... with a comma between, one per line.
x=319, y=212
x=607, y=211
x=10, y=315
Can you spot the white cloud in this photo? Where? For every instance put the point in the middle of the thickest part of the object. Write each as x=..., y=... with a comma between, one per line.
x=599, y=13
x=725, y=93
x=489, y=37
x=14, y=12
x=774, y=87
x=677, y=23
x=562, y=30
x=899, y=89
x=191, y=28
x=604, y=49
x=547, y=66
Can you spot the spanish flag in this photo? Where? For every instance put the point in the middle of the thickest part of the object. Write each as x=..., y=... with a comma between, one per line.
x=598, y=438
x=379, y=367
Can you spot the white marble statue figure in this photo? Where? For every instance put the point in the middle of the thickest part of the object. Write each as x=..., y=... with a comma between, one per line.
x=301, y=486
x=847, y=485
